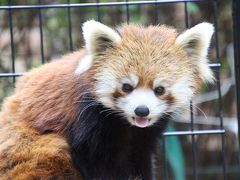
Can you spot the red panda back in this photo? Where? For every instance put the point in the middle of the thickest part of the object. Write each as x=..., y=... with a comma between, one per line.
x=43, y=101
x=46, y=97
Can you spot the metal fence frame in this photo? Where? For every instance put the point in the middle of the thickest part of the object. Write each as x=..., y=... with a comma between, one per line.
x=97, y=4
x=236, y=41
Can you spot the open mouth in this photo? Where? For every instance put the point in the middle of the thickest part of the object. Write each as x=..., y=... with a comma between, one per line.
x=141, y=122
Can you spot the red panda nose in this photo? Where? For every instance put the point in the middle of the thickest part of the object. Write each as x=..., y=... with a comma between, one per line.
x=142, y=111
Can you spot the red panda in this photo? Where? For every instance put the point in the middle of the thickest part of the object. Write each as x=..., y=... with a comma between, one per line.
x=97, y=113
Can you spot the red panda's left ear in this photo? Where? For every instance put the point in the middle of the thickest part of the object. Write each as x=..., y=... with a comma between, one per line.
x=98, y=38
x=195, y=42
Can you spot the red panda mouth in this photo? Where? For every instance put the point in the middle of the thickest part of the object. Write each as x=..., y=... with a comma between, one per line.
x=141, y=122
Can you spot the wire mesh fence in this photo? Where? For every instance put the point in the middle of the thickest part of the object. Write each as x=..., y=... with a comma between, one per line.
x=39, y=15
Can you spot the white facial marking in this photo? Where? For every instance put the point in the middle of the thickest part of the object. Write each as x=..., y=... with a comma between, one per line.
x=157, y=107
x=84, y=64
x=160, y=82
x=132, y=80
x=105, y=86
x=142, y=97
x=107, y=83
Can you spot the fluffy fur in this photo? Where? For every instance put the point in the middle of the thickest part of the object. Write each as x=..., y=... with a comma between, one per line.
x=70, y=119
x=195, y=42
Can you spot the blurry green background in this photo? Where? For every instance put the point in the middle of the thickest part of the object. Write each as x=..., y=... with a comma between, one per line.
x=27, y=53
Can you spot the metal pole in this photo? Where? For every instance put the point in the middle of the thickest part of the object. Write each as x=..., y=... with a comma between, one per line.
x=236, y=41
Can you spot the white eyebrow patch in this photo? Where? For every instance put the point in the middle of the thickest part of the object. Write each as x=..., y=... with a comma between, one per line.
x=160, y=82
x=132, y=79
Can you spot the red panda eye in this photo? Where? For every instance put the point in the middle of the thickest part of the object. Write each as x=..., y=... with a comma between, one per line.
x=159, y=90
x=127, y=88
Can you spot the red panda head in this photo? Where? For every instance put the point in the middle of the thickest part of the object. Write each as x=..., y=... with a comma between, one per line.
x=145, y=72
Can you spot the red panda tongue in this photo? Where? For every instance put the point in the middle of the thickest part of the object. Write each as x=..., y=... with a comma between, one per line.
x=141, y=122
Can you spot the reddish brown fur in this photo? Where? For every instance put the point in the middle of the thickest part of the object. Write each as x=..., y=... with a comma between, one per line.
x=46, y=100
x=169, y=98
x=25, y=154
x=118, y=94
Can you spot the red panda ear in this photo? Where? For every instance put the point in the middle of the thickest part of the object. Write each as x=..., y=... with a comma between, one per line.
x=195, y=42
x=98, y=38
